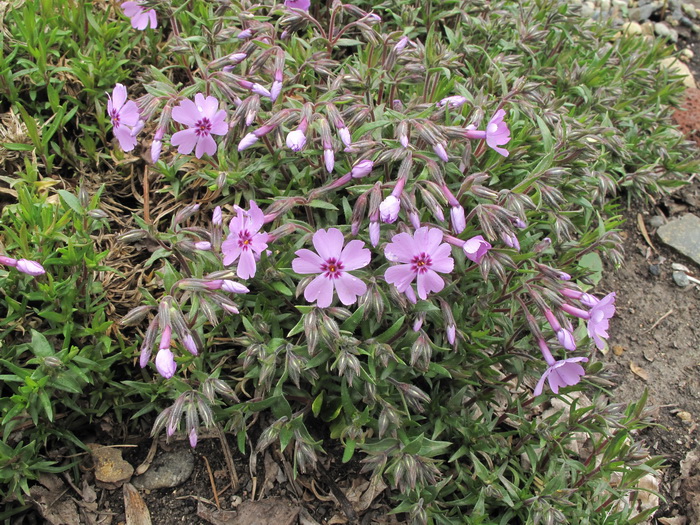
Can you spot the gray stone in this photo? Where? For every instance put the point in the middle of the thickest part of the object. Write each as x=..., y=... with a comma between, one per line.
x=681, y=279
x=689, y=9
x=683, y=235
x=656, y=221
x=643, y=12
x=168, y=470
x=587, y=9
x=663, y=31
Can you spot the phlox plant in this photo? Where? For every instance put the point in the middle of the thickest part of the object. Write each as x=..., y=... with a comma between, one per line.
x=380, y=238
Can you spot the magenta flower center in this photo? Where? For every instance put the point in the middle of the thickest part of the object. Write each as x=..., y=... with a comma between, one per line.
x=202, y=127
x=331, y=269
x=115, y=118
x=244, y=239
x=421, y=263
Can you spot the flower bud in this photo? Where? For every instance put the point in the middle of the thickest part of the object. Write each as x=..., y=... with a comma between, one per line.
x=32, y=268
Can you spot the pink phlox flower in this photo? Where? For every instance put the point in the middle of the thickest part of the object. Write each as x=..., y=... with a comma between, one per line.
x=497, y=133
x=455, y=101
x=422, y=255
x=598, y=322
x=140, y=17
x=389, y=209
x=32, y=268
x=475, y=248
x=245, y=240
x=165, y=361
x=203, y=119
x=332, y=263
x=124, y=115
x=566, y=372
x=298, y=4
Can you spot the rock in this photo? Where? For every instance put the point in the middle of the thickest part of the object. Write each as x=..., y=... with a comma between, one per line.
x=663, y=31
x=677, y=67
x=655, y=270
x=681, y=279
x=619, y=4
x=168, y=470
x=689, y=9
x=683, y=235
x=643, y=12
x=632, y=28
x=587, y=9
x=687, y=54
x=111, y=471
x=648, y=28
x=656, y=221
x=695, y=28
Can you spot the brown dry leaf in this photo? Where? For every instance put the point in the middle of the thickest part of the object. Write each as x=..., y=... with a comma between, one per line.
x=684, y=416
x=52, y=502
x=134, y=507
x=338, y=519
x=362, y=493
x=111, y=471
x=271, y=511
x=643, y=230
x=618, y=350
x=639, y=371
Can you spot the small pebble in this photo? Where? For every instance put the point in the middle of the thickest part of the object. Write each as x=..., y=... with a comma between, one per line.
x=681, y=279
x=656, y=221
x=654, y=270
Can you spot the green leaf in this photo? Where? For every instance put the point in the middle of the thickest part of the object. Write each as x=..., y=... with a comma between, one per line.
x=40, y=345
x=592, y=263
x=317, y=404
x=72, y=201
x=349, y=451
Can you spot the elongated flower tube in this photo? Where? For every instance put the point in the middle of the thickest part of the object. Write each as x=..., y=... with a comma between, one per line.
x=332, y=263
x=457, y=216
x=32, y=268
x=564, y=336
x=203, y=119
x=421, y=256
x=245, y=241
x=496, y=133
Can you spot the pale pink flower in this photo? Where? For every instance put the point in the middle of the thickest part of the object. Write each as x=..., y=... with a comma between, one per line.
x=598, y=321
x=245, y=240
x=332, y=263
x=475, y=248
x=454, y=101
x=566, y=372
x=203, y=119
x=496, y=134
x=296, y=140
x=124, y=115
x=422, y=255
x=140, y=17
x=298, y=4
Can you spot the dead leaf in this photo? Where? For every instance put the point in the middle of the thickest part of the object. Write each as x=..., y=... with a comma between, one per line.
x=271, y=511
x=51, y=501
x=618, y=350
x=134, y=507
x=643, y=230
x=639, y=371
x=678, y=520
x=111, y=471
x=684, y=416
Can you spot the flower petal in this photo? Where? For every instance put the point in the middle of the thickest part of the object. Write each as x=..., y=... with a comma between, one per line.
x=246, y=265
x=400, y=276
x=355, y=255
x=328, y=243
x=206, y=145
x=349, y=287
x=441, y=259
x=306, y=262
x=186, y=113
x=186, y=140
x=319, y=290
x=429, y=282
x=402, y=248
x=119, y=95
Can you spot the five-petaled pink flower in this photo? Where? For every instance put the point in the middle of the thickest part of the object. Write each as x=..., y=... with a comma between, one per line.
x=422, y=256
x=245, y=240
x=204, y=119
x=598, y=322
x=566, y=372
x=496, y=134
x=124, y=115
x=298, y=4
x=140, y=18
x=332, y=263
